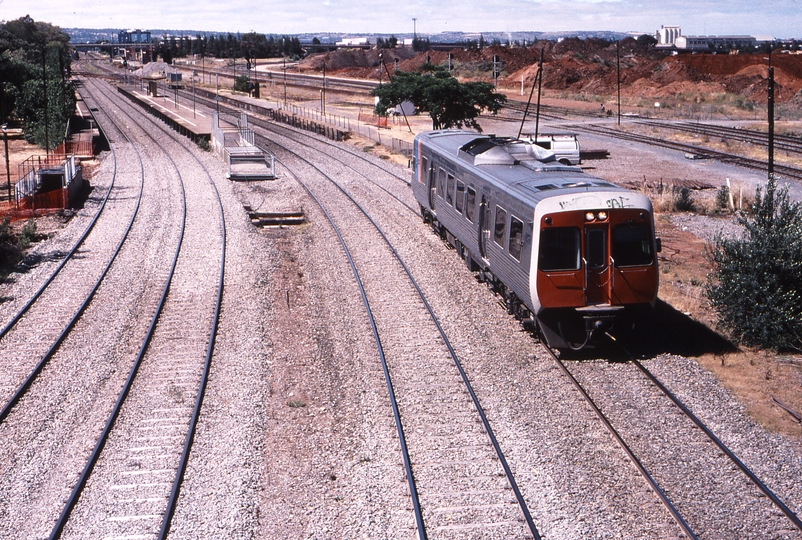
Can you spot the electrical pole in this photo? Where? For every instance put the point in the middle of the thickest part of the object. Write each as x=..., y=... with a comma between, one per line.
x=539, y=86
x=8, y=169
x=44, y=84
x=618, y=72
x=770, y=107
x=381, y=65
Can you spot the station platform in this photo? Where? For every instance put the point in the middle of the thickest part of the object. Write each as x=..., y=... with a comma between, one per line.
x=186, y=117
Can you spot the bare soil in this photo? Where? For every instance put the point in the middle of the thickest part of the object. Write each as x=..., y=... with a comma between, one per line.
x=588, y=70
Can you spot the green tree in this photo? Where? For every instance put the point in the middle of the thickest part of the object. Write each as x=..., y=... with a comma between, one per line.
x=756, y=285
x=646, y=40
x=34, y=66
x=59, y=107
x=449, y=102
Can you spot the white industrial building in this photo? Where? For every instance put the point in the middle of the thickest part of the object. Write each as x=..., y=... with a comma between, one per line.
x=667, y=35
x=671, y=37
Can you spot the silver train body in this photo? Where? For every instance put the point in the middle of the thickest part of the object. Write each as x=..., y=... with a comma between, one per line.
x=572, y=253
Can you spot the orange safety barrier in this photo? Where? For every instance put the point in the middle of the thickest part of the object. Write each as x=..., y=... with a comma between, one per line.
x=78, y=148
x=373, y=120
x=38, y=205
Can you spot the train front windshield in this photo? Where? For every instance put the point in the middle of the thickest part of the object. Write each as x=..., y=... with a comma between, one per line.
x=560, y=247
x=632, y=244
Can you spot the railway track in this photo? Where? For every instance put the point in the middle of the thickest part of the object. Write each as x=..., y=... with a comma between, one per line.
x=785, y=143
x=26, y=344
x=138, y=462
x=436, y=412
x=166, y=341
x=698, y=152
x=680, y=482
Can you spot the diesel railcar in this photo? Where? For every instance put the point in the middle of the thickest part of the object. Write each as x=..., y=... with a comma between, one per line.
x=569, y=252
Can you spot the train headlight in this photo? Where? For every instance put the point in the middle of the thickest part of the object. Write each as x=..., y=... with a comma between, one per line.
x=602, y=216
x=589, y=216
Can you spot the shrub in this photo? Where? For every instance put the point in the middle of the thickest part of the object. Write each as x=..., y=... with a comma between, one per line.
x=756, y=285
x=722, y=198
x=683, y=199
x=241, y=84
x=10, y=253
x=28, y=234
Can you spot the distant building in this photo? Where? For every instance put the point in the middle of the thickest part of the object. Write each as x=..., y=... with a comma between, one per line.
x=714, y=43
x=667, y=35
x=670, y=37
x=354, y=42
x=134, y=36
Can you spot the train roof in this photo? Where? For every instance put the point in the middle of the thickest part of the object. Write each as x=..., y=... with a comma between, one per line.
x=514, y=165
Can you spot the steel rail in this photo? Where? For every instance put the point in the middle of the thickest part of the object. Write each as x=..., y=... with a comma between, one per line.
x=755, y=164
x=627, y=450
x=707, y=431
x=789, y=144
x=380, y=349
x=20, y=392
x=189, y=440
x=474, y=398
x=101, y=443
x=67, y=257
x=387, y=191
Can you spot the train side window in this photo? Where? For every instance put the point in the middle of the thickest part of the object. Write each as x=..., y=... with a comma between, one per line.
x=632, y=244
x=450, y=190
x=441, y=183
x=516, y=238
x=459, y=199
x=424, y=169
x=470, y=204
x=501, y=226
x=559, y=249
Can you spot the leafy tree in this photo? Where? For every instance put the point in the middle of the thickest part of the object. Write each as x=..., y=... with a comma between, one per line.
x=756, y=286
x=34, y=66
x=59, y=105
x=449, y=102
x=646, y=40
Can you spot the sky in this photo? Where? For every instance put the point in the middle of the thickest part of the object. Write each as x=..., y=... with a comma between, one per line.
x=778, y=18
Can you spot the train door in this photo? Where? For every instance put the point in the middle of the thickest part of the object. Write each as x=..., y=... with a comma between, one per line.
x=598, y=270
x=484, y=226
x=430, y=182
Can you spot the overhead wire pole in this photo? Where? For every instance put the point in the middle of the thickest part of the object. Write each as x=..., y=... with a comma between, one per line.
x=531, y=93
x=770, y=111
x=539, y=87
x=47, y=108
x=402, y=106
x=381, y=65
x=618, y=75
x=8, y=169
